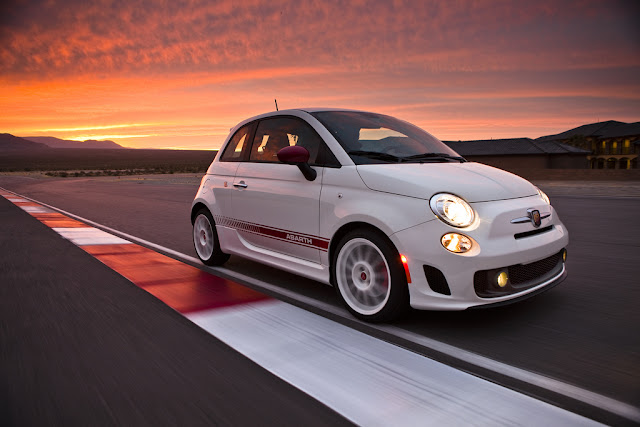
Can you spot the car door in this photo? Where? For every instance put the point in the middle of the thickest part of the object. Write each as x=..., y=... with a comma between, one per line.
x=275, y=207
x=220, y=175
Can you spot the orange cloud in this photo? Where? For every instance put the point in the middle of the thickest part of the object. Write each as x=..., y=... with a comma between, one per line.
x=185, y=71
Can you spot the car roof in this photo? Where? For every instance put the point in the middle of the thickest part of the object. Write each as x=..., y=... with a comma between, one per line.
x=313, y=110
x=293, y=111
x=318, y=109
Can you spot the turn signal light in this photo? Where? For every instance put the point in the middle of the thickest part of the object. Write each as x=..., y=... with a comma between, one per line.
x=405, y=264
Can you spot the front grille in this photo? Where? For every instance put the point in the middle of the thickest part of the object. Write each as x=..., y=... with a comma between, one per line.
x=521, y=276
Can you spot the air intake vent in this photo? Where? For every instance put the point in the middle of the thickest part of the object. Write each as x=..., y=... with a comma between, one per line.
x=437, y=281
x=524, y=274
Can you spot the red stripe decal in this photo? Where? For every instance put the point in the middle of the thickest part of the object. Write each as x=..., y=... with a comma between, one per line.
x=293, y=237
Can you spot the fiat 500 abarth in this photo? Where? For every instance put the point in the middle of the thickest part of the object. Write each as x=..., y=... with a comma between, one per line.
x=378, y=208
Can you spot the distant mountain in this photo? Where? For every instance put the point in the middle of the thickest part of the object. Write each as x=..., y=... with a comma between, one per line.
x=65, y=143
x=608, y=129
x=12, y=143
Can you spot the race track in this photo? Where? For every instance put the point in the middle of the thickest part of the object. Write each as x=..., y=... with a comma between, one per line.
x=570, y=346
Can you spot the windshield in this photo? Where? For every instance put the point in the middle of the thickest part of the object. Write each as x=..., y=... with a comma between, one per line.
x=376, y=138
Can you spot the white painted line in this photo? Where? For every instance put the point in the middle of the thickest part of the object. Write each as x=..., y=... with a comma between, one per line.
x=617, y=407
x=82, y=236
x=129, y=238
x=367, y=380
x=605, y=403
x=35, y=209
x=608, y=404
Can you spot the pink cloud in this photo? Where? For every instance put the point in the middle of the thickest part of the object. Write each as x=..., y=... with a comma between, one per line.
x=454, y=67
x=131, y=37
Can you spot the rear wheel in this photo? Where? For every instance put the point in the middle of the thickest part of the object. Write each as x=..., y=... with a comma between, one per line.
x=369, y=278
x=205, y=239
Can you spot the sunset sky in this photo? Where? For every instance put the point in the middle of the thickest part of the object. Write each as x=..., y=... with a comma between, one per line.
x=180, y=73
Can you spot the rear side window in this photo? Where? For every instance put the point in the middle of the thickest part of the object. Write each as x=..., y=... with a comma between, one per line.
x=237, y=145
x=275, y=133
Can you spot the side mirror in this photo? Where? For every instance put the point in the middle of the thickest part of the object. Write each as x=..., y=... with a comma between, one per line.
x=299, y=156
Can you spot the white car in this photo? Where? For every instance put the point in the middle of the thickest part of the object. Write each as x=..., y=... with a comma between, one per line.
x=378, y=208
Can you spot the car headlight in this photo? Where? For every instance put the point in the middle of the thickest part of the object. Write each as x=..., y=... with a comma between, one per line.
x=452, y=209
x=544, y=196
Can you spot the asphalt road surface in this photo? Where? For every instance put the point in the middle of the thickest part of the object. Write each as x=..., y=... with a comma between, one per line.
x=582, y=333
x=80, y=345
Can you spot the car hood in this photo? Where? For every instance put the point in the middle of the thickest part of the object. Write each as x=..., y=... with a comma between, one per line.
x=474, y=182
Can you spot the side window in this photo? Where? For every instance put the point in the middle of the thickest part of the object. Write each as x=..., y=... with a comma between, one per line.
x=279, y=132
x=235, y=148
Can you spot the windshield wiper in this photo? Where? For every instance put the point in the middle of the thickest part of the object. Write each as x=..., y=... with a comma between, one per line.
x=434, y=156
x=376, y=155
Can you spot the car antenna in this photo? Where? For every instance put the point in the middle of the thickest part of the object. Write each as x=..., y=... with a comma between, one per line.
x=276, y=104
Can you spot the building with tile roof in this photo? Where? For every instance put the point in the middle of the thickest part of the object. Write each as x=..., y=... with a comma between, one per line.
x=602, y=145
x=612, y=144
x=522, y=153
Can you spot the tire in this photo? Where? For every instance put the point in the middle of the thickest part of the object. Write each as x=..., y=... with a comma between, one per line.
x=369, y=277
x=205, y=239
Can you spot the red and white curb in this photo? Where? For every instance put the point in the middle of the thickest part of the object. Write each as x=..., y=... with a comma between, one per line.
x=367, y=380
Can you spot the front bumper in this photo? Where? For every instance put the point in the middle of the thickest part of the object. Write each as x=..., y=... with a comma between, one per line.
x=497, y=244
x=543, y=287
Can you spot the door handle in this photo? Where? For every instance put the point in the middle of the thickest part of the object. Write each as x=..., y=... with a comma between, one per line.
x=241, y=184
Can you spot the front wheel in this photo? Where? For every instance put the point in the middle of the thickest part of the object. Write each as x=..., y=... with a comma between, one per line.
x=205, y=239
x=369, y=277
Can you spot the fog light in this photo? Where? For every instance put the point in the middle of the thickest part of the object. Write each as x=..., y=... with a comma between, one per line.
x=502, y=279
x=564, y=255
x=454, y=242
